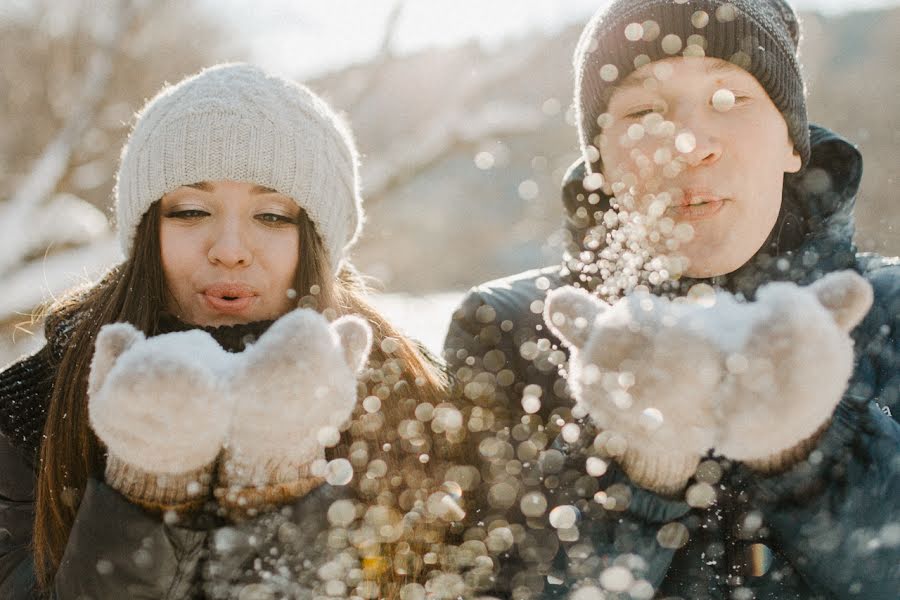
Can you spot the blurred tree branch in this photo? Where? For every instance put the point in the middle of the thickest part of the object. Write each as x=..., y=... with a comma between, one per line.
x=382, y=58
x=466, y=119
x=73, y=74
x=456, y=131
x=48, y=170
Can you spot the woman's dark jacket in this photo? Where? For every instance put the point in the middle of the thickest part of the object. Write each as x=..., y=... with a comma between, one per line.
x=827, y=528
x=116, y=550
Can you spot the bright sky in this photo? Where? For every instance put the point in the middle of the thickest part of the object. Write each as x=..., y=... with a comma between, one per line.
x=305, y=37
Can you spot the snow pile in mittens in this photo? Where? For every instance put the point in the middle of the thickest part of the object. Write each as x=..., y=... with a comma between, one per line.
x=170, y=402
x=748, y=379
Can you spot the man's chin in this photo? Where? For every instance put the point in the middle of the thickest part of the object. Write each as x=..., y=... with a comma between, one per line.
x=705, y=273
x=704, y=268
x=711, y=254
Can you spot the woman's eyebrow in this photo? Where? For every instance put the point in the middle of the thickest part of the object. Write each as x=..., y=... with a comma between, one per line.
x=202, y=186
x=261, y=189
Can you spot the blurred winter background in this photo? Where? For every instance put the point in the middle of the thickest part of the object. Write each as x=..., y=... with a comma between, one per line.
x=461, y=109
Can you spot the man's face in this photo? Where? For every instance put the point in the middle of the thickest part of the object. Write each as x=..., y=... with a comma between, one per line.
x=705, y=132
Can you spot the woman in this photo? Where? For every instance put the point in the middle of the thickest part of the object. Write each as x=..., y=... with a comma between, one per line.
x=149, y=467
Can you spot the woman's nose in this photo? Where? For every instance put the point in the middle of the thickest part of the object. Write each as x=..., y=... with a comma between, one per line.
x=229, y=247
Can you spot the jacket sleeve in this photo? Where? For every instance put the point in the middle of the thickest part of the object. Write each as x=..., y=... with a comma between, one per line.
x=468, y=340
x=117, y=550
x=632, y=527
x=836, y=515
x=279, y=553
x=480, y=359
x=24, y=385
x=484, y=354
x=16, y=517
x=477, y=348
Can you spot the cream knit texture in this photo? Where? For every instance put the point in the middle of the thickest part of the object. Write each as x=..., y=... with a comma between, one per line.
x=166, y=406
x=296, y=380
x=160, y=404
x=754, y=381
x=238, y=122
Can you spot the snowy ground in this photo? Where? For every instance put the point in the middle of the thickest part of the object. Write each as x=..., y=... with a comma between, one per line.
x=424, y=318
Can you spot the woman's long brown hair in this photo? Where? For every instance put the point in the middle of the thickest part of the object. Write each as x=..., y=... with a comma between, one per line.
x=400, y=374
x=70, y=452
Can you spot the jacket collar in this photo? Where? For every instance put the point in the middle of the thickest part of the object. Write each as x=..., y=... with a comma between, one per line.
x=812, y=236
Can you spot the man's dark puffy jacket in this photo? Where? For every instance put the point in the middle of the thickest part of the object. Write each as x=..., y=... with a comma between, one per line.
x=827, y=528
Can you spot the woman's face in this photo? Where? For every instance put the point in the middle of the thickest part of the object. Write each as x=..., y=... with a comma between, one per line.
x=229, y=252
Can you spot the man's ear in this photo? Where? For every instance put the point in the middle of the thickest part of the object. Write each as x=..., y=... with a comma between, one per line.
x=793, y=162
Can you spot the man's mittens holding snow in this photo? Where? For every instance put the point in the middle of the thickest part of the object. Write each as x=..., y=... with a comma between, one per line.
x=790, y=368
x=755, y=381
x=293, y=389
x=641, y=373
x=161, y=409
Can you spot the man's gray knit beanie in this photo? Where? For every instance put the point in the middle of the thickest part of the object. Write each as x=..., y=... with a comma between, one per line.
x=760, y=36
x=238, y=122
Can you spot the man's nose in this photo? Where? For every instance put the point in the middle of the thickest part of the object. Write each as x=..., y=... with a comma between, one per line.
x=706, y=149
x=697, y=141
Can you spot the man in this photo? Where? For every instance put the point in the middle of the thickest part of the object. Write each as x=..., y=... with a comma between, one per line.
x=698, y=166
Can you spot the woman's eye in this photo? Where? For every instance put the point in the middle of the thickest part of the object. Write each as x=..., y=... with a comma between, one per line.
x=187, y=214
x=276, y=219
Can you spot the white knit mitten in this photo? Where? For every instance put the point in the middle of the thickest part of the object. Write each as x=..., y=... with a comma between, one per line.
x=648, y=384
x=791, y=369
x=160, y=407
x=296, y=380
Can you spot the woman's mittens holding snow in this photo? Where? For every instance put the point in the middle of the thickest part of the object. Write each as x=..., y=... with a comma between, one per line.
x=160, y=408
x=642, y=373
x=293, y=389
x=788, y=372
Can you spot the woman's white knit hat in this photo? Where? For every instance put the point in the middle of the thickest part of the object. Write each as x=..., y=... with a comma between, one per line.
x=238, y=122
